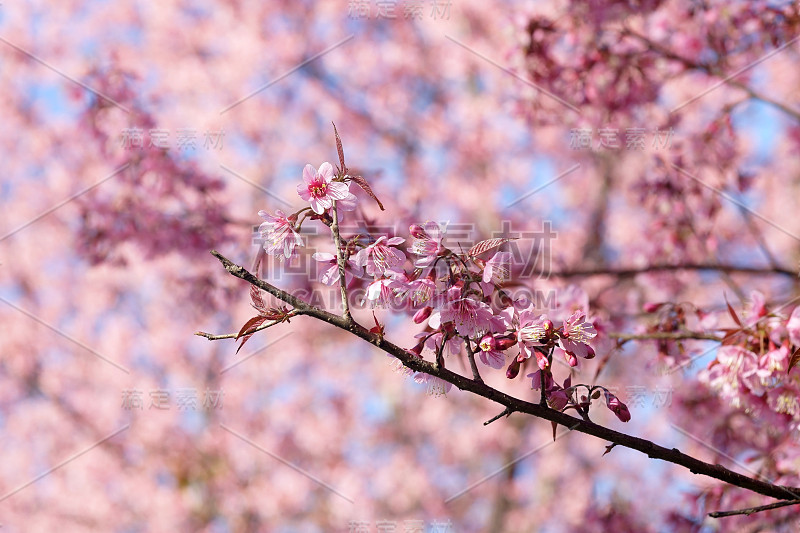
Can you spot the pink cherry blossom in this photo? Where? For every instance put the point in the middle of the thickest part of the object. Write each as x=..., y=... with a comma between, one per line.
x=452, y=346
x=427, y=243
x=329, y=268
x=381, y=292
x=793, y=326
x=534, y=332
x=489, y=354
x=419, y=290
x=469, y=316
x=575, y=335
x=380, y=255
x=319, y=189
x=496, y=271
x=280, y=237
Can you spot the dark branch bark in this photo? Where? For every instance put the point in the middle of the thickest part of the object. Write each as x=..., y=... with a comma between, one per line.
x=751, y=510
x=417, y=364
x=623, y=272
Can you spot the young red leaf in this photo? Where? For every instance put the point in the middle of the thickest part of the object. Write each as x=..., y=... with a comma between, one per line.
x=488, y=244
x=367, y=189
x=257, y=300
x=794, y=360
x=343, y=167
x=250, y=325
x=555, y=427
x=378, y=329
x=733, y=313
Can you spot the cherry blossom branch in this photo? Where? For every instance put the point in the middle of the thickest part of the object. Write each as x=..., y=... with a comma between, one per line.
x=752, y=510
x=340, y=260
x=511, y=403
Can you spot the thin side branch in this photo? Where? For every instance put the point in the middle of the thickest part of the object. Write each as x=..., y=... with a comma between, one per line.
x=506, y=412
x=212, y=337
x=337, y=239
x=751, y=510
x=623, y=272
x=416, y=364
x=471, y=357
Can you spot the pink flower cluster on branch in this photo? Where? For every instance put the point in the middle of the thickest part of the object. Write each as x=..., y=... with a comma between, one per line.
x=459, y=299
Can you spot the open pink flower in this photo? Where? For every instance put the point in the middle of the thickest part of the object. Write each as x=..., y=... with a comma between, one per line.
x=280, y=237
x=534, y=332
x=574, y=337
x=793, y=326
x=452, y=346
x=381, y=292
x=319, y=189
x=489, y=353
x=496, y=271
x=427, y=242
x=419, y=290
x=379, y=256
x=469, y=316
x=329, y=268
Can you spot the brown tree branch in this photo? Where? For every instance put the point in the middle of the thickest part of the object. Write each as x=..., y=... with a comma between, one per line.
x=417, y=364
x=623, y=272
x=340, y=260
x=212, y=337
x=751, y=510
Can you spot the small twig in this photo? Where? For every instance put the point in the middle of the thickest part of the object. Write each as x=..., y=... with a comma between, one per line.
x=506, y=412
x=665, y=336
x=341, y=261
x=471, y=357
x=626, y=272
x=212, y=337
x=751, y=510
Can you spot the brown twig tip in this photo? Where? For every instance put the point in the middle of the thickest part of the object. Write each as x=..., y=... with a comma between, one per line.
x=752, y=510
x=506, y=412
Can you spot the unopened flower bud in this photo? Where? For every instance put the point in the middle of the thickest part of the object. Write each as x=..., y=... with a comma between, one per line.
x=513, y=369
x=651, y=307
x=589, y=352
x=584, y=403
x=423, y=314
x=617, y=407
x=505, y=342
